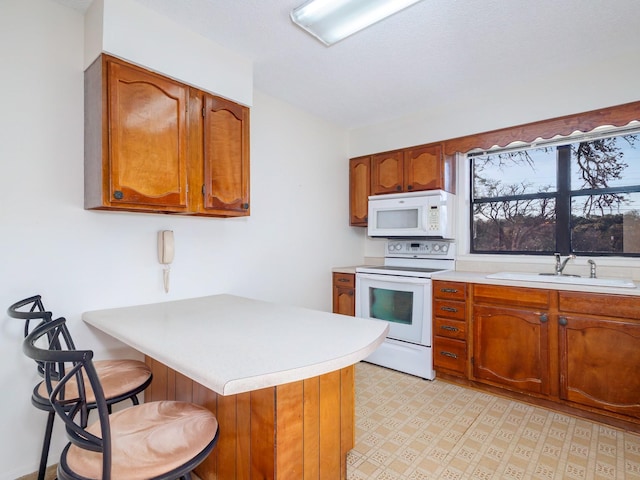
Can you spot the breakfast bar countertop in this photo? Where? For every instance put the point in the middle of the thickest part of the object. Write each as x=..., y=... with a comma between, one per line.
x=233, y=344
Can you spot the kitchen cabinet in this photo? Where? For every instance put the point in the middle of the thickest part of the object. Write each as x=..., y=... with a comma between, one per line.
x=220, y=146
x=344, y=293
x=153, y=144
x=359, y=190
x=450, y=327
x=599, y=338
x=412, y=169
x=511, y=337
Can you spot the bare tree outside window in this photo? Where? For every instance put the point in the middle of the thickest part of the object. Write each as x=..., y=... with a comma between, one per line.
x=578, y=197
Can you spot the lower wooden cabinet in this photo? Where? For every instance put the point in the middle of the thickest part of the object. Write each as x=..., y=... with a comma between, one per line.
x=578, y=350
x=450, y=327
x=600, y=351
x=344, y=293
x=511, y=348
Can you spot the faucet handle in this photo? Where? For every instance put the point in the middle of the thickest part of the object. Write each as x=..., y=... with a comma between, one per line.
x=592, y=266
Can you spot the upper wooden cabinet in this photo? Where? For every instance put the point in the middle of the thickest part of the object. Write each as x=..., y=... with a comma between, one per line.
x=155, y=145
x=411, y=170
x=359, y=190
x=408, y=170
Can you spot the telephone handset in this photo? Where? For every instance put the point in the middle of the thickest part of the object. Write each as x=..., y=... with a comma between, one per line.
x=166, y=250
x=165, y=247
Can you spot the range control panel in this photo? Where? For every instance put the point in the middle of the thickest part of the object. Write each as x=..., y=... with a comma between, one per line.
x=420, y=248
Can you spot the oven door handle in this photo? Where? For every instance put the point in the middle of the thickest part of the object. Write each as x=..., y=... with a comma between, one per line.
x=379, y=277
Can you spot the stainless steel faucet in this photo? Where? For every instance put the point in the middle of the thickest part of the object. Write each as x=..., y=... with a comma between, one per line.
x=560, y=264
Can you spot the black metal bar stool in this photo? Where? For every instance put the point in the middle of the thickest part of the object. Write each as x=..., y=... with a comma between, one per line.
x=120, y=379
x=162, y=440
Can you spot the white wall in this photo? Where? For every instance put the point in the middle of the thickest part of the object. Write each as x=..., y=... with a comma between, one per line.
x=83, y=260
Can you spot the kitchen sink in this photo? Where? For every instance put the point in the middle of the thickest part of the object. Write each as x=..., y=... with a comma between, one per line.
x=566, y=279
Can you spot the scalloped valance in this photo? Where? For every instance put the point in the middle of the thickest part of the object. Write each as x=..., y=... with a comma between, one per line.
x=617, y=116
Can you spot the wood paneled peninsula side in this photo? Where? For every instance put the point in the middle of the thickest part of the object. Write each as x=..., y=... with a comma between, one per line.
x=280, y=379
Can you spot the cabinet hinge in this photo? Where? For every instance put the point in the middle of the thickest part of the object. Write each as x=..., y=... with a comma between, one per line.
x=203, y=189
x=473, y=361
x=202, y=112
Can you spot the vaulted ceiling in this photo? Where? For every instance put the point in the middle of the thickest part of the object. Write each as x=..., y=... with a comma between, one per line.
x=419, y=59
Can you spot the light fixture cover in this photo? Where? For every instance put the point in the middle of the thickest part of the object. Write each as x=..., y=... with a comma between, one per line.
x=332, y=20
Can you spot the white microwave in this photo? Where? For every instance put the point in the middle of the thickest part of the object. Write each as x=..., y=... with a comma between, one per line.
x=415, y=214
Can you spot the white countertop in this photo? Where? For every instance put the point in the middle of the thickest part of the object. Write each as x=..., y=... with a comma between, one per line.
x=481, y=277
x=234, y=344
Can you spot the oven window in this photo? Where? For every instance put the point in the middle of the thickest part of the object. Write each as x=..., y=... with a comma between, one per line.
x=391, y=305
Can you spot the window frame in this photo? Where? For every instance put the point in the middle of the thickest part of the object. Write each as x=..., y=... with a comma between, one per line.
x=562, y=196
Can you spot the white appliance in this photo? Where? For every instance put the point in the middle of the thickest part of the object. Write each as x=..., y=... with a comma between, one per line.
x=414, y=214
x=400, y=293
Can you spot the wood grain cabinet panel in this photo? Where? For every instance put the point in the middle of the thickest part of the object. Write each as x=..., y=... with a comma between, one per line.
x=599, y=339
x=450, y=327
x=511, y=348
x=419, y=168
x=359, y=190
x=226, y=157
x=425, y=168
x=387, y=173
x=344, y=293
x=155, y=145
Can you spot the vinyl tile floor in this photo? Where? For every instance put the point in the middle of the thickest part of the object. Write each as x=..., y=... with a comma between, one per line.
x=410, y=428
x=414, y=429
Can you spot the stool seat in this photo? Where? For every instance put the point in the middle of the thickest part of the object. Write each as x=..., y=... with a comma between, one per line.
x=118, y=378
x=147, y=440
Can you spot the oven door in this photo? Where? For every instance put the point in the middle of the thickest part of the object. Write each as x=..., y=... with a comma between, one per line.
x=404, y=302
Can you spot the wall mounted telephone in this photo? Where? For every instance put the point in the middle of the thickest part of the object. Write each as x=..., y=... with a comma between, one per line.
x=166, y=250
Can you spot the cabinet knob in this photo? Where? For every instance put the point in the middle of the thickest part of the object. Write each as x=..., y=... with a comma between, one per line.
x=245, y=206
x=409, y=187
x=563, y=321
x=118, y=195
x=544, y=318
x=399, y=188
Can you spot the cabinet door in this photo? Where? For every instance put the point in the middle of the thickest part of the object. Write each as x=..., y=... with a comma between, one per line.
x=344, y=294
x=359, y=190
x=387, y=173
x=226, y=157
x=599, y=363
x=511, y=348
x=147, y=140
x=423, y=168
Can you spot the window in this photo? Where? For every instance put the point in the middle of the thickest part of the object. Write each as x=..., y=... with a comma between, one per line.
x=581, y=196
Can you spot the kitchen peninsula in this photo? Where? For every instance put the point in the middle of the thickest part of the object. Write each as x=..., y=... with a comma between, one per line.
x=280, y=379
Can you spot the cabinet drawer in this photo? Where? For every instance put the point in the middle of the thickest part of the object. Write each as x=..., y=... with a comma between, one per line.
x=344, y=280
x=448, y=309
x=449, y=354
x=619, y=306
x=449, y=290
x=511, y=296
x=446, y=327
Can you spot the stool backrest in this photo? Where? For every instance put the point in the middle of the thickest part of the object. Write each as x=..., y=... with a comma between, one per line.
x=50, y=344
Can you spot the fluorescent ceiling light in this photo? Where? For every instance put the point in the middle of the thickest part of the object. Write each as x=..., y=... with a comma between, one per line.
x=332, y=20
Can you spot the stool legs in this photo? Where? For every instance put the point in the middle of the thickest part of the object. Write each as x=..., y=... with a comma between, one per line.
x=45, y=445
